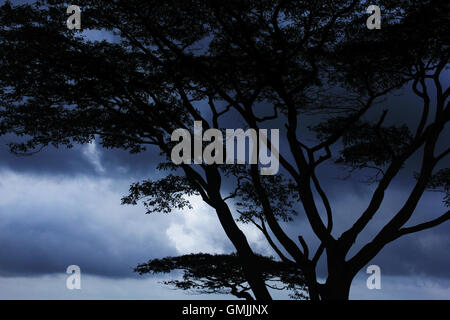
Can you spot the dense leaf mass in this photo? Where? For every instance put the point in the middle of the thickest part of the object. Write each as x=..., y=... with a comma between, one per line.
x=222, y=273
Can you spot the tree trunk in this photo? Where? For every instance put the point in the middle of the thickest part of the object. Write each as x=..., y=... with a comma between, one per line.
x=311, y=284
x=250, y=266
x=337, y=287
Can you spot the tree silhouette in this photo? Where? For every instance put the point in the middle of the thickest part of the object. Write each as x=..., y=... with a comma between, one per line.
x=222, y=273
x=258, y=63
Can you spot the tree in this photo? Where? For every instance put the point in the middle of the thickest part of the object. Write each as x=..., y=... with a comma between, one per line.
x=222, y=273
x=261, y=63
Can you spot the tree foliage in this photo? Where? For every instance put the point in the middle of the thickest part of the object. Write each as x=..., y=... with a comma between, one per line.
x=222, y=273
x=160, y=66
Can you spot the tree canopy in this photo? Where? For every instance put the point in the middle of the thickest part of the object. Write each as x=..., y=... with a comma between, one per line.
x=160, y=66
x=222, y=273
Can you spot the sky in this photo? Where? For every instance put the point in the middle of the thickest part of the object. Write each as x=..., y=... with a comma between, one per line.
x=63, y=207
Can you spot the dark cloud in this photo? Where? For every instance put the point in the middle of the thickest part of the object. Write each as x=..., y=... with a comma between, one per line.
x=77, y=161
x=44, y=231
x=49, y=224
x=424, y=254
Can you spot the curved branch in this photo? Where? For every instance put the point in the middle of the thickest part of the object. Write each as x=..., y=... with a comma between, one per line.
x=425, y=225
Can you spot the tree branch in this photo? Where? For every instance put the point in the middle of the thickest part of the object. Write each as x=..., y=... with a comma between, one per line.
x=425, y=225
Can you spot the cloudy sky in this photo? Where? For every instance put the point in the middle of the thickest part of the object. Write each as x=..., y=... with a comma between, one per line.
x=62, y=207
